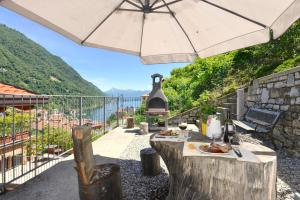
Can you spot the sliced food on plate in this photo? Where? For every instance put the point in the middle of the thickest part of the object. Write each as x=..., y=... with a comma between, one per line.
x=215, y=148
x=168, y=133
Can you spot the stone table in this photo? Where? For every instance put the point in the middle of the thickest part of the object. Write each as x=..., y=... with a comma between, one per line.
x=210, y=177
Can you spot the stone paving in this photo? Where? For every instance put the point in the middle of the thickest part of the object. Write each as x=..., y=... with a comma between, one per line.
x=60, y=181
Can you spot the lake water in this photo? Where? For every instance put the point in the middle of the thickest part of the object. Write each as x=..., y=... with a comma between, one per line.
x=97, y=114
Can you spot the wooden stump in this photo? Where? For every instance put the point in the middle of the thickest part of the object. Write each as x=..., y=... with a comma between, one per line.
x=208, y=178
x=130, y=122
x=144, y=128
x=105, y=184
x=96, y=182
x=150, y=162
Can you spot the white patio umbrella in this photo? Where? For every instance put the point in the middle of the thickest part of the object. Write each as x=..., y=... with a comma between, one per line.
x=161, y=31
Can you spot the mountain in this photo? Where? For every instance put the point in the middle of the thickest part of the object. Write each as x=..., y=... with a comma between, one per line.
x=126, y=93
x=26, y=64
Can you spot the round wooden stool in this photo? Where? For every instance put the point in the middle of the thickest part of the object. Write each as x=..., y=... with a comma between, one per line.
x=150, y=162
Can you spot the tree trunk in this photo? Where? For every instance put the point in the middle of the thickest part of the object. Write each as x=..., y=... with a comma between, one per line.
x=150, y=162
x=105, y=184
x=144, y=128
x=130, y=122
x=96, y=182
x=208, y=178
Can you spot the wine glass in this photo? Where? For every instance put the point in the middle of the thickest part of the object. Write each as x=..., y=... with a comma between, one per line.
x=183, y=127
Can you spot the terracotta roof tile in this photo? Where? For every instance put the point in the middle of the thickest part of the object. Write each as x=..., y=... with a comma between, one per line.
x=9, y=89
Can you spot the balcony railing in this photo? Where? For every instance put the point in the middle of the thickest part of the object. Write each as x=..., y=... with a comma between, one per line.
x=35, y=131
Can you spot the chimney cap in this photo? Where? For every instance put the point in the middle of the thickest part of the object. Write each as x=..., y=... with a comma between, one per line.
x=157, y=75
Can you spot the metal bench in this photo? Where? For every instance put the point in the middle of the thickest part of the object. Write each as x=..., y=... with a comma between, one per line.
x=258, y=120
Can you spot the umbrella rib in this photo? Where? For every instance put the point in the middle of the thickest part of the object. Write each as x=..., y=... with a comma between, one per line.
x=166, y=4
x=134, y=4
x=153, y=3
x=131, y=10
x=235, y=13
x=283, y=12
x=230, y=40
x=93, y=31
x=142, y=34
x=141, y=3
x=173, y=15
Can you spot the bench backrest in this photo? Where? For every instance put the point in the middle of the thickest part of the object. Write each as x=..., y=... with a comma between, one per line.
x=262, y=117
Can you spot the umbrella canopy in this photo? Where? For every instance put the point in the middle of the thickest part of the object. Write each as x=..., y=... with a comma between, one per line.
x=161, y=31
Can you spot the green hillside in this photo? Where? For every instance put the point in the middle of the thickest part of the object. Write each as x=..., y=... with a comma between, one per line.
x=214, y=76
x=28, y=65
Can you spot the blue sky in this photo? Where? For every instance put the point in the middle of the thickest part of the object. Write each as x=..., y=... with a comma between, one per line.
x=106, y=69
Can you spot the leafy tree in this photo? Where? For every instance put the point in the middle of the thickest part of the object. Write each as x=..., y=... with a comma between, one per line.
x=212, y=77
x=15, y=121
x=49, y=136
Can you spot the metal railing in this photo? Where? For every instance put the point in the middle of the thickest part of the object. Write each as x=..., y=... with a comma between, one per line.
x=35, y=131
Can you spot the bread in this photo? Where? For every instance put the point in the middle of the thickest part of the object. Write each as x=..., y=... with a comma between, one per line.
x=168, y=133
x=215, y=148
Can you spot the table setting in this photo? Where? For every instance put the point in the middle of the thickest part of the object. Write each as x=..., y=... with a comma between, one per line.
x=201, y=162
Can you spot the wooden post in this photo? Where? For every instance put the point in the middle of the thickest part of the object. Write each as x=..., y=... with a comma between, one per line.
x=96, y=182
x=104, y=185
x=144, y=128
x=130, y=122
x=83, y=152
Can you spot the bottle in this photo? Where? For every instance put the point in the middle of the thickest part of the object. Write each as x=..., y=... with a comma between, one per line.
x=228, y=128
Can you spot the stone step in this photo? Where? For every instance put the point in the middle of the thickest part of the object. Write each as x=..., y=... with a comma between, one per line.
x=231, y=107
x=230, y=104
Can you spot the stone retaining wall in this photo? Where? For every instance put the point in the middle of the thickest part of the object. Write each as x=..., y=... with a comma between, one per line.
x=189, y=116
x=192, y=115
x=280, y=91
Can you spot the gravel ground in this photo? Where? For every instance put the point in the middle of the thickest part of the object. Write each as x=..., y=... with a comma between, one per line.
x=288, y=179
x=137, y=187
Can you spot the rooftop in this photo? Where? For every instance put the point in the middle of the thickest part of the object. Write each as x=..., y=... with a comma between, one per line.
x=10, y=89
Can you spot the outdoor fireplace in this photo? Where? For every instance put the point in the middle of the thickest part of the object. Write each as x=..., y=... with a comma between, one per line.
x=157, y=106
